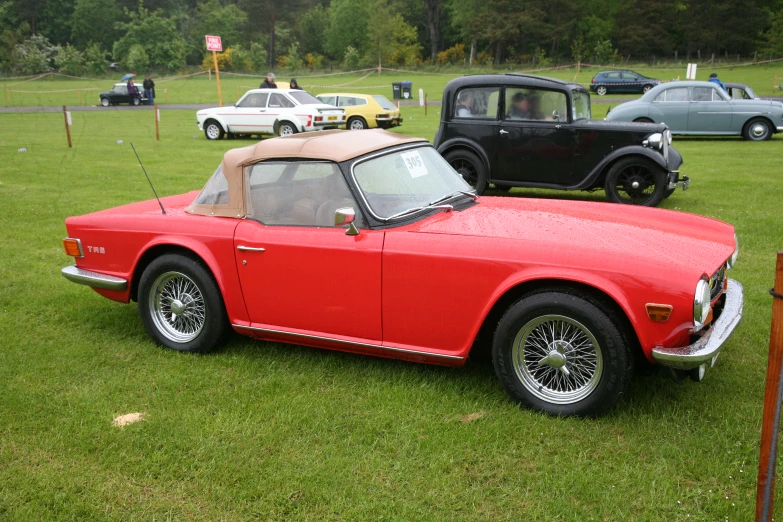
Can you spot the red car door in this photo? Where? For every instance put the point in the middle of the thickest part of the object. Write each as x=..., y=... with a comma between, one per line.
x=299, y=272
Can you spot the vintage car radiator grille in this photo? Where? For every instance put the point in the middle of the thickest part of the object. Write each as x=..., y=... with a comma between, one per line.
x=716, y=282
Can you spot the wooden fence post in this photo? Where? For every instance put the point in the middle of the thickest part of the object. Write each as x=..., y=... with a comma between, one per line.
x=157, y=122
x=770, y=422
x=67, y=127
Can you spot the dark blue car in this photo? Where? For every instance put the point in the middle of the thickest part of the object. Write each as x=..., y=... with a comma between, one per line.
x=625, y=82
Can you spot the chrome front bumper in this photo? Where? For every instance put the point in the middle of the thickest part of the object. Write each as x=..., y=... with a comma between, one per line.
x=707, y=348
x=676, y=181
x=94, y=279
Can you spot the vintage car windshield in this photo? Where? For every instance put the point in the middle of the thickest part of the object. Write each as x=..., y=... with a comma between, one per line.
x=305, y=98
x=749, y=92
x=581, y=105
x=398, y=183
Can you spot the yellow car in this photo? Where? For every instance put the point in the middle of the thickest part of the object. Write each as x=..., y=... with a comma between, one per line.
x=364, y=111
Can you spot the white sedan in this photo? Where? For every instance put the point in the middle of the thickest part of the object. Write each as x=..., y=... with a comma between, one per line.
x=270, y=111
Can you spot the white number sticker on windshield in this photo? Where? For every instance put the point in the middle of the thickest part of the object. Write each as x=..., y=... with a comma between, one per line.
x=414, y=164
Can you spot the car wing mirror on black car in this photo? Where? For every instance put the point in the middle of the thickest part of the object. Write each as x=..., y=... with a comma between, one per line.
x=555, y=115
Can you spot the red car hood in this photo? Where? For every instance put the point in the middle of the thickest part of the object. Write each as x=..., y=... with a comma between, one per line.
x=601, y=231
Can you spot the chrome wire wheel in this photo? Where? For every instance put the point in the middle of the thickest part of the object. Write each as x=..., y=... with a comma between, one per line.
x=177, y=307
x=557, y=359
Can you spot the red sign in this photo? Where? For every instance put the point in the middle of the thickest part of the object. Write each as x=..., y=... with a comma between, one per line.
x=214, y=43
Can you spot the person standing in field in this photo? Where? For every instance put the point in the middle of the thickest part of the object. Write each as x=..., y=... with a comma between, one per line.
x=269, y=82
x=149, y=90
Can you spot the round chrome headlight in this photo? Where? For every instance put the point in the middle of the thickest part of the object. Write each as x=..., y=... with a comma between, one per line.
x=668, y=136
x=654, y=140
x=701, y=303
x=733, y=259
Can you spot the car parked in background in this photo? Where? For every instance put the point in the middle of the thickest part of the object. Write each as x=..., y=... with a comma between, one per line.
x=703, y=108
x=364, y=111
x=119, y=94
x=270, y=111
x=365, y=242
x=518, y=130
x=621, y=82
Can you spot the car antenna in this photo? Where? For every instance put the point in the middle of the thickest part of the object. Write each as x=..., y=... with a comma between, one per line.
x=148, y=178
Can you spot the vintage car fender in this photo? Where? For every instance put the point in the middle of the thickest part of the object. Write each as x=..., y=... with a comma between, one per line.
x=629, y=150
x=225, y=274
x=648, y=337
x=218, y=119
x=468, y=144
x=289, y=118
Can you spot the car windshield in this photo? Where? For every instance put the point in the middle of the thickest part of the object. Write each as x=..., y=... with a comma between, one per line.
x=384, y=102
x=749, y=92
x=581, y=105
x=406, y=181
x=305, y=98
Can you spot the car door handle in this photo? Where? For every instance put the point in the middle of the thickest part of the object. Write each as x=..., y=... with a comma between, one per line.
x=558, y=126
x=250, y=249
x=503, y=131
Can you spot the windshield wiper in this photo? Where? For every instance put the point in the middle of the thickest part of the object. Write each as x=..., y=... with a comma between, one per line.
x=471, y=195
x=448, y=208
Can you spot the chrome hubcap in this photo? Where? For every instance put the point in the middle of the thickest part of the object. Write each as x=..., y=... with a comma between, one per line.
x=758, y=130
x=177, y=307
x=285, y=130
x=212, y=131
x=557, y=359
x=357, y=125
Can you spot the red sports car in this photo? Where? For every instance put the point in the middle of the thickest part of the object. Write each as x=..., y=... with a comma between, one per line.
x=371, y=243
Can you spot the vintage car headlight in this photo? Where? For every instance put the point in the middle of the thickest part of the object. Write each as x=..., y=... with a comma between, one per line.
x=654, y=141
x=701, y=303
x=668, y=134
x=733, y=259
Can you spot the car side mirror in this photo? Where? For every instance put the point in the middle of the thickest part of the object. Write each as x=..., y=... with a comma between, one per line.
x=346, y=216
x=555, y=115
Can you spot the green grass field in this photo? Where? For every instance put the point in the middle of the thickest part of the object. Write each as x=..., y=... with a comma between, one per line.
x=199, y=89
x=263, y=431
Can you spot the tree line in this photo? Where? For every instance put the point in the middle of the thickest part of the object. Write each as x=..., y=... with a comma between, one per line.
x=80, y=36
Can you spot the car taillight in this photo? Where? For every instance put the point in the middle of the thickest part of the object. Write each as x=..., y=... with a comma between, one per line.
x=381, y=115
x=309, y=120
x=593, y=80
x=319, y=118
x=73, y=247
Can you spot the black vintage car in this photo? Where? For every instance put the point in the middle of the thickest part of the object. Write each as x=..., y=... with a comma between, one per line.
x=516, y=130
x=119, y=94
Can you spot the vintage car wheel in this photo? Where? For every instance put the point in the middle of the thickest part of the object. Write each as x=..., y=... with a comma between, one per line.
x=357, y=123
x=470, y=167
x=105, y=102
x=286, y=129
x=600, y=90
x=181, y=306
x=213, y=130
x=135, y=101
x=636, y=181
x=560, y=353
x=757, y=130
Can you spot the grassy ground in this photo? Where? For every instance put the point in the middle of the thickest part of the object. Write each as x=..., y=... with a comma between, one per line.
x=279, y=432
x=200, y=89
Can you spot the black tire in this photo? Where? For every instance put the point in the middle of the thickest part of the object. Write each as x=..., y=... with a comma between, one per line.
x=668, y=193
x=646, y=89
x=643, y=120
x=601, y=90
x=544, y=332
x=105, y=102
x=757, y=129
x=286, y=128
x=213, y=130
x=470, y=167
x=636, y=181
x=174, y=280
x=356, y=123
x=135, y=101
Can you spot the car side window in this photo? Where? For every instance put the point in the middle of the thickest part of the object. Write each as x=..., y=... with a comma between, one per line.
x=255, y=99
x=716, y=96
x=328, y=100
x=534, y=104
x=613, y=76
x=351, y=101
x=298, y=193
x=675, y=94
x=701, y=94
x=477, y=103
x=277, y=100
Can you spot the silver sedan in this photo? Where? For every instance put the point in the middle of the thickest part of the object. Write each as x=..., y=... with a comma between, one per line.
x=703, y=108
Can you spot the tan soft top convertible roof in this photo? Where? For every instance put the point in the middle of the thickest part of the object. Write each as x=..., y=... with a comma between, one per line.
x=330, y=145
